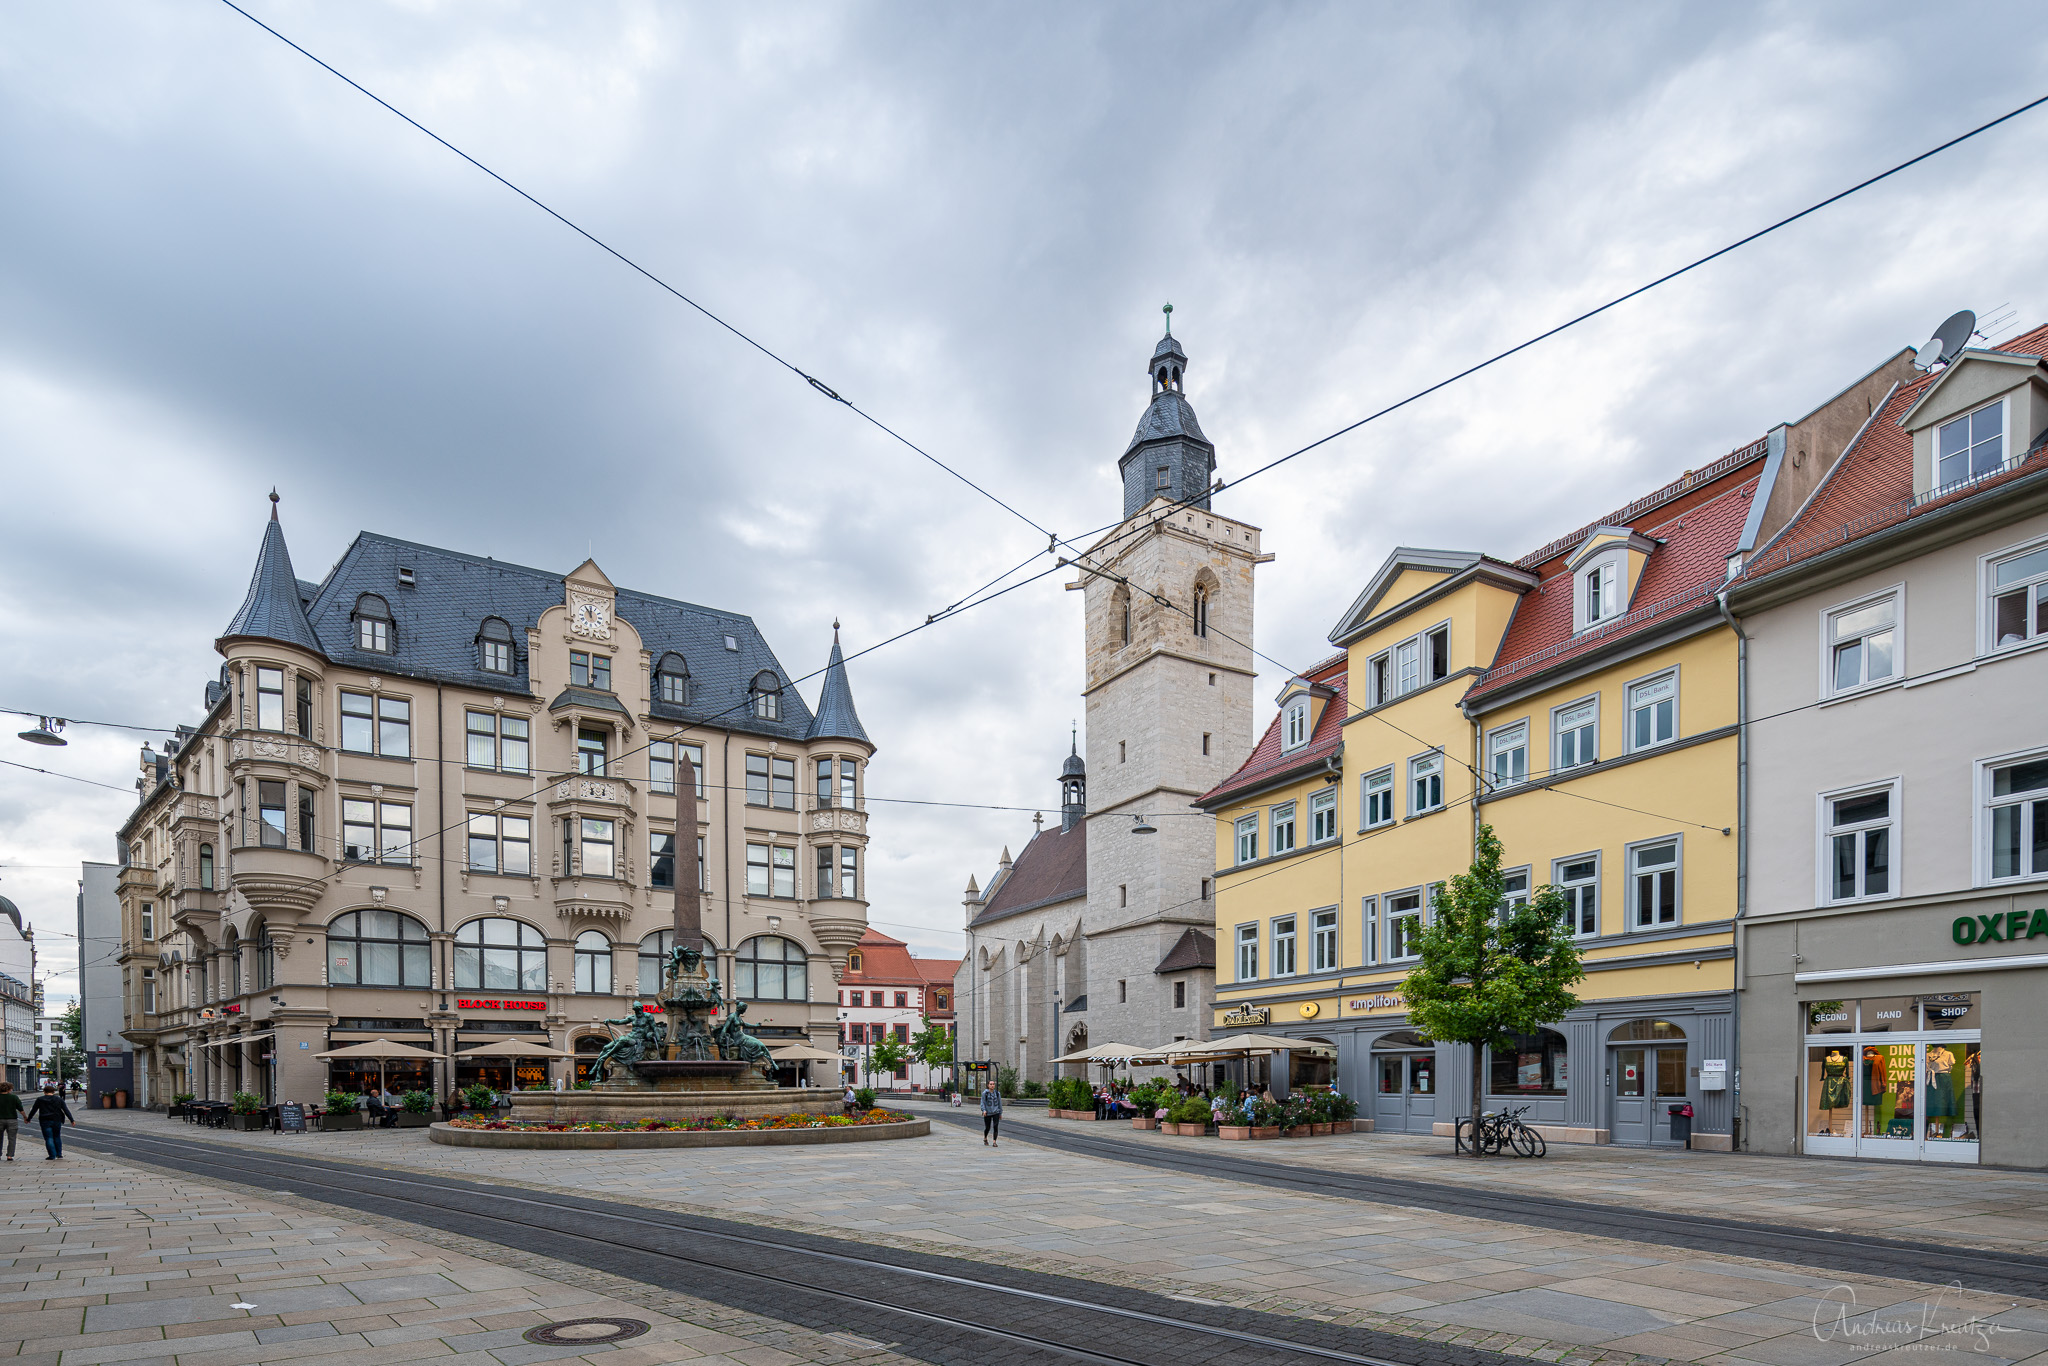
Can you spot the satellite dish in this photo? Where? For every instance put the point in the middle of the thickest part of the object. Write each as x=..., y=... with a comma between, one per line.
x=1947, y=342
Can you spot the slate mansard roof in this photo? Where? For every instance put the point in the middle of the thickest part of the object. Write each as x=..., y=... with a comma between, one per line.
x=436, y=621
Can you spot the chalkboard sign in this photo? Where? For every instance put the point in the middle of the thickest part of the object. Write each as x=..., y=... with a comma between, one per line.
x=291, y=1118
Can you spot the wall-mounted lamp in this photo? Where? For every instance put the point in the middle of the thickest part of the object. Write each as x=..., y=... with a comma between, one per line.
x=377, y=894
x=1141, y=826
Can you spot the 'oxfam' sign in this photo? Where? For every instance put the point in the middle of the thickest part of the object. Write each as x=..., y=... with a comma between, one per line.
x=2008, y=928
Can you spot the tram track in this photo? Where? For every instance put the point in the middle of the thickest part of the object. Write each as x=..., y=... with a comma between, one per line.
x=936, y=1308
x=2011, y=1273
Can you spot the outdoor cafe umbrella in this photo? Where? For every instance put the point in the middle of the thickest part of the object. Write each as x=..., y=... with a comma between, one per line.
x=1245, y=1043
x=514, y=1049
x=1105, y=1053
x=380, y=1049
x=802, y=1052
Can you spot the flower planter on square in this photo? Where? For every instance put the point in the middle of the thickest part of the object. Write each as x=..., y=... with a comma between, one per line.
x=1189, y=1130
x=1233, y=1131
x=1322, y=1130
x=1144, y=1122
x=1085, y=1115
x=1299, y=1131
x=1265, y=1131
x=330, y=1124
x=248, y=1122
x=408, y=1120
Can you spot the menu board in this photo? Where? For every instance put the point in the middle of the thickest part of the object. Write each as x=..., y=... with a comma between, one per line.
x=291, y=1118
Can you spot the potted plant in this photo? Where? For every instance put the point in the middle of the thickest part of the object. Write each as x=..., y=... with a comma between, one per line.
x=340, y=1113
x=1343, y=1109
x=1190, y=1118
x=418, y=1111
x=1297, y=1117
x=479, y=1097
x=178, y=1103
x=1265, y=1119
x=245, y=1110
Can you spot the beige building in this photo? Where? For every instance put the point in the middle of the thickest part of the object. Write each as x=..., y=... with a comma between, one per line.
x=432, y=799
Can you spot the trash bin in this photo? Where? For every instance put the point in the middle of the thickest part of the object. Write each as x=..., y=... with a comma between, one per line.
x=1681, y=1123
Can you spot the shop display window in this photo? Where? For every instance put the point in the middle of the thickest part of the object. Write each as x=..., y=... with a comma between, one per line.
x=1421, y=1075
x=1895, y=1076
x=1534, y=1066
x=1889, y=1015
x=1830, y=1100
x=1956, y=1010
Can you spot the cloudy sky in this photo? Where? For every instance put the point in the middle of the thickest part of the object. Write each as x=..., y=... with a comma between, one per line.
x=222, y=269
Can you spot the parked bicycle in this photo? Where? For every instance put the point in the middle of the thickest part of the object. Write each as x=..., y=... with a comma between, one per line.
x=1498, y=1131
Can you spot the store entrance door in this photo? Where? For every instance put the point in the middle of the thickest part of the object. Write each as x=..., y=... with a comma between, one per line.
x=1647, y=1083
x=1404, y=1092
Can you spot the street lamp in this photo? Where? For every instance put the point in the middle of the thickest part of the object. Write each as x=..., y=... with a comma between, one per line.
x=1141, y=826
x=45, y=732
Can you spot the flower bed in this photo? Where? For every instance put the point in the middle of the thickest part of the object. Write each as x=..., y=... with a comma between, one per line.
x=712, y=1122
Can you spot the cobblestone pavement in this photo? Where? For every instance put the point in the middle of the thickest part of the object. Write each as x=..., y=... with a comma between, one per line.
x=1540, y=1293
x=104, y=1262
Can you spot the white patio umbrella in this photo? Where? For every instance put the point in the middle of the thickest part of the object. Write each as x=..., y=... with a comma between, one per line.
x=802, y=1052
x=381, y=1050
x=513, y=1049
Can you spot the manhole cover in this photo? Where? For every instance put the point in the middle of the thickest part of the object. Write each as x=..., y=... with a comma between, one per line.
x=585, y=1332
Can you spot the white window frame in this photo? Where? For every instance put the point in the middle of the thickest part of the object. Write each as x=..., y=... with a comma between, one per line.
x=1504, y=741
x=1286, y=961
x=1379, y=678
x=2005, y=444
x=1985, y=827
x=1294, y=728
x=1630, y=910
x=1369, y=788
x=1557, y=878
x=1611, y=567
x=1420, y=914
x=1519, y=896
x=1419, y=770
x=1825, y=833
x=1322, y=816
x=1557, y=715
x=1326, y=951
x=1829, y=615
x=1369, y=929
x=1285, y=819
x=1416, y=650
x=1987, y=593
x=1248, y=952
x=1628, y=710
x=1246, y=834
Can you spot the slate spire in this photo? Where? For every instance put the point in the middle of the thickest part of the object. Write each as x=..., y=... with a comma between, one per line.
x=273, y=611
x=1168, y=457
x=836, y=718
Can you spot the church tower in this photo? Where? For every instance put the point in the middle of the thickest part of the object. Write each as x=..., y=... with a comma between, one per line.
x=1169, y=677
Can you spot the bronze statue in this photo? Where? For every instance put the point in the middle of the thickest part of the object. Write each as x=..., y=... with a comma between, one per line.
x=735, y=1044
x=645, y=1038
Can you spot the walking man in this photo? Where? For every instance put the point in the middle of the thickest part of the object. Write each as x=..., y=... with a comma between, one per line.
x=991, y=1116
x=10, y=1117
x=50, y=1111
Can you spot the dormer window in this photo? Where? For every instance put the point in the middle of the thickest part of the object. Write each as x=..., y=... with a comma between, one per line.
x=1970, y=447
x=494, y=646
x=1603, y=597
x=672, y=680
x=767, y=690
x=373, y=624
x=1294, y=725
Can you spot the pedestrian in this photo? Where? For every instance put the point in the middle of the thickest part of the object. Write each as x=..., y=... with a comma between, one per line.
x=848, y=1100
x=50, y=1111
x=10, y=1117
x=991, y=1116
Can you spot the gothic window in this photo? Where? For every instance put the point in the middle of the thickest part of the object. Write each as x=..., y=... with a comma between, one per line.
x=1201, y=609
x=494, y=646
x=672, y=680
x=373, y=624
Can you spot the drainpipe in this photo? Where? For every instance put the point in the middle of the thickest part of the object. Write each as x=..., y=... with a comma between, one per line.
x=1741, y=846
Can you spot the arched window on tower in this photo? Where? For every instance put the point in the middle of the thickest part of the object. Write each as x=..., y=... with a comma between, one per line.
x=1120, y=611
x=1202, y=610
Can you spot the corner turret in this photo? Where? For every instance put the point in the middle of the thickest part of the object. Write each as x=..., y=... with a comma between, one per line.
x=273, y=610
x=836, y=718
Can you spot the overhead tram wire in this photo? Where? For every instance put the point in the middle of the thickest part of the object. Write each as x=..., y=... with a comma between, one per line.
x=813, y=381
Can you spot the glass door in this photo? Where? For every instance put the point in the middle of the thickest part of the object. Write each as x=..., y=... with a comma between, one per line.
x=1890, y=1098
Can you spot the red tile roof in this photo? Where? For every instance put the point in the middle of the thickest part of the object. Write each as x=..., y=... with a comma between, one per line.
x=1692, y=481
x=1871, y=486
x=1052, y=868
x=1681, y=574
x=883, y=962
x=1267, y=761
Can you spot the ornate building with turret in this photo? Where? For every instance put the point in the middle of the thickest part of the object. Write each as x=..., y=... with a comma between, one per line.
x=432, y=799
x=1102, y=931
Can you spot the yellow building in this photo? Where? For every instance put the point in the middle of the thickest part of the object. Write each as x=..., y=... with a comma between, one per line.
x=1582, y=701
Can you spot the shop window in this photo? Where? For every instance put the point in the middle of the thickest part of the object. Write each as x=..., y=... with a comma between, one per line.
x=500, y=954
x=1633, y=1031
x=1532, y=1065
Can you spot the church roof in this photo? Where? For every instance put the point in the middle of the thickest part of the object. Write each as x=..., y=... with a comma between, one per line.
x=1168, y=346
x=836, y=719
x=1053, y=868
x=273, y=610
x=1168, y=415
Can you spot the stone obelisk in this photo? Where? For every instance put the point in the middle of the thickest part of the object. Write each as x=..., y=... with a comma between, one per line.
x=689, y=897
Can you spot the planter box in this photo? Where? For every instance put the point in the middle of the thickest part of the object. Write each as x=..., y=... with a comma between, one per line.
x=1299, y=1131
x=248, y=1122
x=1265, y=1131
x=1188, y=1130
x=408, y=1120
x=1143, y=1123
x=330, y=1124
x=1322, y=1130
x=1233, y=1131
x=1088, y=1116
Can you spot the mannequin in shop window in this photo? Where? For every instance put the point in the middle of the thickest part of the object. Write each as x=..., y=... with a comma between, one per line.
x=1834, y=1086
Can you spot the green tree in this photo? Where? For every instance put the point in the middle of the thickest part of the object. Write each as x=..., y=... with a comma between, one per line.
x=72, y=1023
x=1490, y=971
x=887, y=1056
x=932, y=1045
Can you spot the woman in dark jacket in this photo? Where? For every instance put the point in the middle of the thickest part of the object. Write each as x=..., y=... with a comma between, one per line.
x=50, y=1111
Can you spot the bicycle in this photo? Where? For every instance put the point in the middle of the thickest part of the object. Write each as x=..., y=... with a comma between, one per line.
x=1497, y=1131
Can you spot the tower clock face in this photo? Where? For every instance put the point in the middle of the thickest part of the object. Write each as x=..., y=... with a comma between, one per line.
x=594, y=619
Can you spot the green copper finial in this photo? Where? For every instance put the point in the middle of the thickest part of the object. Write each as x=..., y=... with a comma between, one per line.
x=1168, y=311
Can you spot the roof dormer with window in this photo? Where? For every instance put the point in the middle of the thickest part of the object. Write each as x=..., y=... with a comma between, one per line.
x=1301, y=711
x=1978, y=417
x=1605, y=570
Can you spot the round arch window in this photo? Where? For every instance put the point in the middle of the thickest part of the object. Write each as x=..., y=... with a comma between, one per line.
x=1636, y=1031
x=770, y=968
x=1402, y=1038
x=377, y=949
x=501, y=954
x=593, y=963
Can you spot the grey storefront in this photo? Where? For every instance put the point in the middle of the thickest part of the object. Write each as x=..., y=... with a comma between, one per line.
x=1608, y=1072
x=1905, y=1032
